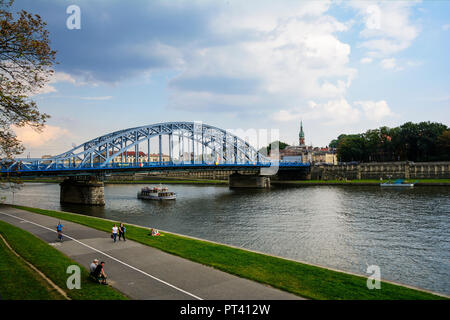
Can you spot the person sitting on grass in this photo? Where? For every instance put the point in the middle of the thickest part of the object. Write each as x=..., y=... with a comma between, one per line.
x=99, y=273
x=93, y=266
x=154, y=232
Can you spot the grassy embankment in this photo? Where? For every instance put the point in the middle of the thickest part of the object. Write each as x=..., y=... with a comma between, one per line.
x=299, y=278
x=20, y=282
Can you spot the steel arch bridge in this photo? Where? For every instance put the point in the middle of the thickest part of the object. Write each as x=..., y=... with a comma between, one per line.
x=207, y=146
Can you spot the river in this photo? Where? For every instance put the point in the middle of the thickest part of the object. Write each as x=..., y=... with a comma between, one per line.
x=404, y=232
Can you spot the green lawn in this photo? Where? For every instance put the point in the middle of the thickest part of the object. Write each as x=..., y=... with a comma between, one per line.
x=298, y=278
x=20, y=282
x=49, y=261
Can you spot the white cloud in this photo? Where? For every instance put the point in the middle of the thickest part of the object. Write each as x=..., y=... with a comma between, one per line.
x=294, y=53
x=366, y=60
x=414, y=63
x=336, y=112
x=57, y=77
x=375, y=110
x=388, y=28
x=333, y=112
x=101, y=98
x=32, y=138
x=62, y=77
x=389, y=64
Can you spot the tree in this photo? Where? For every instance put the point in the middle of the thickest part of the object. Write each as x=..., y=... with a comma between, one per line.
x=26, y=64
x=444, y=144
x=266, y=150
x=333, y=143
x=351, y=148
x=424, y=141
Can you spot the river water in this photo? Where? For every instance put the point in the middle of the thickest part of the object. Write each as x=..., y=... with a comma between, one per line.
x=404, y=232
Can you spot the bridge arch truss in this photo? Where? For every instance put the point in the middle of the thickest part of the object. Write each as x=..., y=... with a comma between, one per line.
x=205, y=144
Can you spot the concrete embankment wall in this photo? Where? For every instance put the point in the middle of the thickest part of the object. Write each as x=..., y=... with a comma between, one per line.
x=210, y=175
x=384, y=170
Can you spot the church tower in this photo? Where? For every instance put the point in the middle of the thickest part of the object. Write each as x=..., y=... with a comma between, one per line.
x=301, y=135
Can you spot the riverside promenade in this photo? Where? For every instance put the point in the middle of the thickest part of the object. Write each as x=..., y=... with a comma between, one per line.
x=139, y=271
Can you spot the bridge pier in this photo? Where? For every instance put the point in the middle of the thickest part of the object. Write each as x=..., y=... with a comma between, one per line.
x=237, y=180
x=88, y=192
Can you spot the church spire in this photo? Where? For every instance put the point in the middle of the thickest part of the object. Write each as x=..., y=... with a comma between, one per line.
x=301, y=135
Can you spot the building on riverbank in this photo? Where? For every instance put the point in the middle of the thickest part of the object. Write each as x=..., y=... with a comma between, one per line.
x=382, y=170
x=310, y=154
x=130, y=157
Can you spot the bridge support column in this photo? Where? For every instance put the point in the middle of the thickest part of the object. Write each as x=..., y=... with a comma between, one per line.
x=88, y=192
x=237, y=180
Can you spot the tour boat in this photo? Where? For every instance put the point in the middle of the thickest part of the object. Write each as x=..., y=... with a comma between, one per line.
x=156, y=193
x=397, y=183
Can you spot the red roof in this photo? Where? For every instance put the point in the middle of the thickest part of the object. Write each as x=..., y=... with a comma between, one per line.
x=141, y=154
x=130, y=153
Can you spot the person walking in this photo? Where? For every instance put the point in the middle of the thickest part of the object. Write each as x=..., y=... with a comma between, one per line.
x=114, y=232
x=122, y=230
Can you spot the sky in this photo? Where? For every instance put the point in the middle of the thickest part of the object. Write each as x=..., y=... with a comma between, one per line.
x=337, y=66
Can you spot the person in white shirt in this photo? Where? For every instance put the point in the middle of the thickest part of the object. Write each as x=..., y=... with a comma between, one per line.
x=114, y=232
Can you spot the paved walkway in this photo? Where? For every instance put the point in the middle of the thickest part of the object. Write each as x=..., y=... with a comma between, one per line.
x=141, y=272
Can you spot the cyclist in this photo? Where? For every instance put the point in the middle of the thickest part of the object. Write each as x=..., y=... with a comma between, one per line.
x=59, y=228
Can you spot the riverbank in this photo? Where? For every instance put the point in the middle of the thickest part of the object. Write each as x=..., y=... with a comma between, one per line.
x=419, y=183
x=47, y=260
x=302, y=279
x=374, y=182
x=155, y=181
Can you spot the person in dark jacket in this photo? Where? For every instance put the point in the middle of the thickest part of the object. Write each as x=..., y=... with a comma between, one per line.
x=99, y=273
x=122, y=230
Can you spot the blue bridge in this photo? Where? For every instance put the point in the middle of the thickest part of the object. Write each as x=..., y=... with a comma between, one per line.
x=189, y=146
x=208, y=148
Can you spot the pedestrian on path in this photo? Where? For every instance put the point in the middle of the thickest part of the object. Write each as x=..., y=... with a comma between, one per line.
x=122, y=230
x=114, y=232
x=59, y=228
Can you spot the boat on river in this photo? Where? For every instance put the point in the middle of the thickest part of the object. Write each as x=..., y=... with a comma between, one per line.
x=399, y=183
x=156, y=193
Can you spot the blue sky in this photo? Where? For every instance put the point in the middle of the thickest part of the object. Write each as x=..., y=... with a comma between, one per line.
x=339, y=66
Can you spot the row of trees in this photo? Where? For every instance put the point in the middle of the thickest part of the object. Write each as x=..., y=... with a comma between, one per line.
x=424, y=141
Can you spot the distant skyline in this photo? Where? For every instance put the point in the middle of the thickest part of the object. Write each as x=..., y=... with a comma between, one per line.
x=339, y=66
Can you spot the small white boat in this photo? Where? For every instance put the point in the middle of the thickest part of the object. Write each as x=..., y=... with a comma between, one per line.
x=397, y=183
x=156, y=193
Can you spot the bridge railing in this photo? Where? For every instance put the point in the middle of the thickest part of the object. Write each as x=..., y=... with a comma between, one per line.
x=43, y=167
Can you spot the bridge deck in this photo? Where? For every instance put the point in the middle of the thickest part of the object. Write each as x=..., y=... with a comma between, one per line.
x=61, y=169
